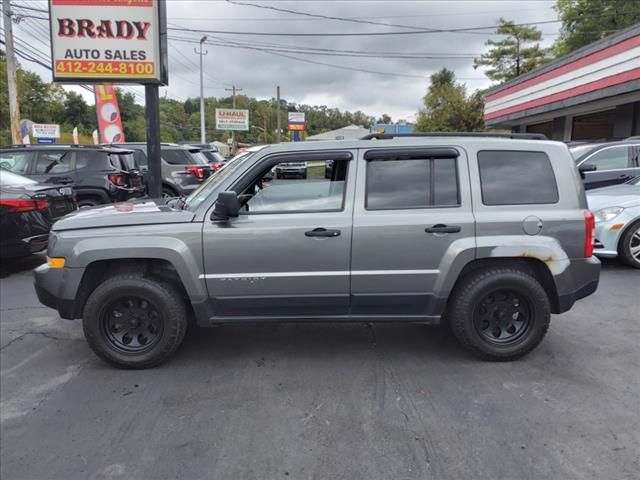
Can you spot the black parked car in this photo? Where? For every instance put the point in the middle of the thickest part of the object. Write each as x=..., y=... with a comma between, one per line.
x=97, y=174
x=27, y=211
x=608, y=163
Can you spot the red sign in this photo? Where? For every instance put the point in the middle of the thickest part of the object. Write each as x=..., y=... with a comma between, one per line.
x=109, y=121
x=296, y=126
x=105, y=3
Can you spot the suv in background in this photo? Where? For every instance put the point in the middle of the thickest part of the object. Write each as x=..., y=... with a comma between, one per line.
x=610, y=163
x=215, y=159
x=184, y=168
x=492, y=234
x=97, y=174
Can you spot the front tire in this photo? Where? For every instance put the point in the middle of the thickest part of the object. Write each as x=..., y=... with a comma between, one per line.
x=134, y=322
x=499, y=314
x=630, y=245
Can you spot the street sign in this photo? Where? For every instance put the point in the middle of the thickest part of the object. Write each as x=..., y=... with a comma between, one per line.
x=232, y=119
x=102, y=40
x=45, y=130
x=45, y=140
x=296, y=121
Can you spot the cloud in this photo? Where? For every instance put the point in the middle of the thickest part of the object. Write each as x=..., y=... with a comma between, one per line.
x=258, y=73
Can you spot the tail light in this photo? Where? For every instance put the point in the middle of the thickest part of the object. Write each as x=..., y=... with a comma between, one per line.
x=116, y=179
x=196, y=170
x=589, y=233
x=216, y=166
x=21, y=206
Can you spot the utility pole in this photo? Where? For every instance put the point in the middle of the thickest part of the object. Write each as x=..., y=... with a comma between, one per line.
x=234, y=146
x=12, y=81
x=278, y=114
x=202, y=53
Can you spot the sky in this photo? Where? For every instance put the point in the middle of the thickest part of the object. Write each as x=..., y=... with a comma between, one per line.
x=394, y=86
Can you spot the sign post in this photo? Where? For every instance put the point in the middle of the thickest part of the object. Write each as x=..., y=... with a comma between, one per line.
x=115, y=41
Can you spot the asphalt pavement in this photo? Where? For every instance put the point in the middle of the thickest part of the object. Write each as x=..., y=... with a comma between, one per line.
x=323, y=401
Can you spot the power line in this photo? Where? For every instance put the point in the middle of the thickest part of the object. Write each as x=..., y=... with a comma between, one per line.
x=356, y=34
x=325, y=17
x=335, y=53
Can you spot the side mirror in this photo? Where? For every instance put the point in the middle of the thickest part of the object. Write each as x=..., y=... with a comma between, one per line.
x=227, y=206
x=586, y=167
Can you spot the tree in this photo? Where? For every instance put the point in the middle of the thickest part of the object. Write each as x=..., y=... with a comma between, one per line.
x=384, y=119
x=511, y=57
x=447, y=107
x=585, y=21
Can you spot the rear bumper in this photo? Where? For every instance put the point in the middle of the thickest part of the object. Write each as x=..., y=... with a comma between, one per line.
x=578, y=281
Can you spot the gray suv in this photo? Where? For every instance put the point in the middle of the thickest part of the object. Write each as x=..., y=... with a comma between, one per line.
x=491, y=235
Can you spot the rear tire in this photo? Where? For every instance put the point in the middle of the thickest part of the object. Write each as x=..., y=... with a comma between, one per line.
x=88, y=202
x=499, y=314
x=134, y=322
x=629, y=246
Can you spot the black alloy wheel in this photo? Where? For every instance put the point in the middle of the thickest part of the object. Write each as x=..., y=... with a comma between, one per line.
x=132, y=324
x=502, y=317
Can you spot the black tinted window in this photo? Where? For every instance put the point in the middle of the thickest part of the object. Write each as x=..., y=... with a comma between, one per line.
x=177, y=157
x=53, y=162
x=396, y=184
x=90, y=159
x=516, y=177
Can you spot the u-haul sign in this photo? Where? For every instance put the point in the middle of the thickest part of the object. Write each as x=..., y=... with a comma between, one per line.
x=108, y=40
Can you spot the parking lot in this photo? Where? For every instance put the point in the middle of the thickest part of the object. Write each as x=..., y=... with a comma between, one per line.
x=331, y=401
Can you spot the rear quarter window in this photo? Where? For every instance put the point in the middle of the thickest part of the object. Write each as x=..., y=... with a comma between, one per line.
x=509, y=177
x=177, y=157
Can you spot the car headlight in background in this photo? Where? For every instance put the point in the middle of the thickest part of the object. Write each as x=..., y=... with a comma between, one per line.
x=606, y=214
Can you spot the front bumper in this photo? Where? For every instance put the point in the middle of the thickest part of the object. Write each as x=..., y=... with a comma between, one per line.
x=57, y=287
x=606, y=243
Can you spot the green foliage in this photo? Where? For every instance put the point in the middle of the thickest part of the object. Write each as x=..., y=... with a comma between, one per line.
x=513, y=55
x=447, y=108
x=179, y=121
x=585, y=21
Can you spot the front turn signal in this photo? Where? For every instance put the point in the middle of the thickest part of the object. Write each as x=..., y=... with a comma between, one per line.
x=55, y=262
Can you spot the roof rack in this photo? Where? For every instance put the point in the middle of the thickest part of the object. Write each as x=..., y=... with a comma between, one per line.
x=52, y=145
x=519, y=136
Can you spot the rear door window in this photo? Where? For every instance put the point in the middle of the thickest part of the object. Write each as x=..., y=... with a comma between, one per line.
x=415, y=183
x=177, y=157
x=516, y=178
x=54, y=162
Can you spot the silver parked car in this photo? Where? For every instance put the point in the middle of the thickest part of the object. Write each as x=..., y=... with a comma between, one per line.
x=617, y=214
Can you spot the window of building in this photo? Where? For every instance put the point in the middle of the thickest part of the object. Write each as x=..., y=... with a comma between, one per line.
x=516, y=178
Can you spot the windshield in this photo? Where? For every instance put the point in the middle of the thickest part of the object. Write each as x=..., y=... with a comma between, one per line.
x=200, y=194
x=579, y=150
x=10, y=179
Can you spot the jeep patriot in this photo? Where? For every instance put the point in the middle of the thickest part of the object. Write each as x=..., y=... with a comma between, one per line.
x=489, y=233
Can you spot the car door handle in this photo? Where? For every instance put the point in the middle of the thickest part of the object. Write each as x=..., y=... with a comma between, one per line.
x=322, y=232
x=64, y=180
x=441, y=228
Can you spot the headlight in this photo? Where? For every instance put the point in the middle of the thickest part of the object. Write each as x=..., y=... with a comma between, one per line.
x=606, y=214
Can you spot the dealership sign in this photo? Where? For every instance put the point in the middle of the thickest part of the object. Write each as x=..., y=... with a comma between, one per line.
x=45, y=130
x=118, y=40
x=232, y=119
x=296, y=121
